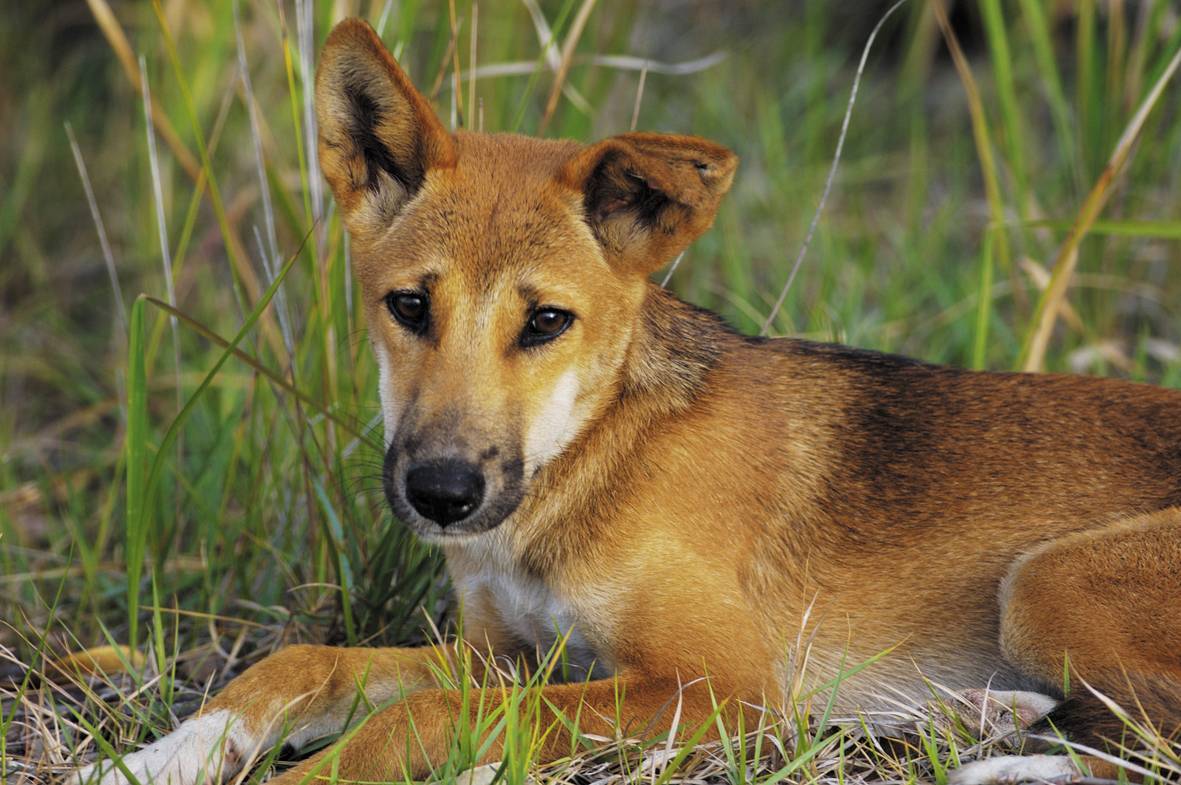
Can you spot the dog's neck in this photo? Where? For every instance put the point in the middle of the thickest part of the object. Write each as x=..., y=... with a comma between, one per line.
x=666, y=371
x=675, y=347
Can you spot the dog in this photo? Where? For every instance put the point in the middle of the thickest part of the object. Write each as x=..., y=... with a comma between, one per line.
x=603, y=463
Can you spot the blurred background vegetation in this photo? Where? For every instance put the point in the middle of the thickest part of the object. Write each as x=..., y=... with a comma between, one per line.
x=257, y=515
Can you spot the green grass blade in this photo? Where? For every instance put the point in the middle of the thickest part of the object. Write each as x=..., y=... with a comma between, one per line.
x=138, y=519
x=984, y=304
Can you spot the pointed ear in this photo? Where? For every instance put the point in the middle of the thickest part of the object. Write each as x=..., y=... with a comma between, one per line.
x=647, y=196
x=378, y=135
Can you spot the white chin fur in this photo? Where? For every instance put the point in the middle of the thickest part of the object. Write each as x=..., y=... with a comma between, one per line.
x=391, y=408
x=556, y=424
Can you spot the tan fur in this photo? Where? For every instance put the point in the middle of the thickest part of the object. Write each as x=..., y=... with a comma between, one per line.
x=705, y=499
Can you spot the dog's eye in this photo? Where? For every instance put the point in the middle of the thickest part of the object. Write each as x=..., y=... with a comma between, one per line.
x=545, y=324
x=409, y=308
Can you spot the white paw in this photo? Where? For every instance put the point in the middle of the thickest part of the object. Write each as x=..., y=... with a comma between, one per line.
x=202, y=750
x=1003, y=712
x=1009, y=769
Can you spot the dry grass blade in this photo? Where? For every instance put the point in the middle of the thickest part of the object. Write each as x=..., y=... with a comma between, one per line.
x=277, y=379
x=632, y=63
x=576, y=29
x=161, y=221
x=199, y=173
x=471, y=88
x=383, y=17
x=270, y=256
x=103, y=242
x=550, y=56
x=832, y=171
x=614, y=62
x=545, y=37
x=980, y=135
x=639, y=97
x=304, y=30
x=245, y=277
x=456, y=87
x=115, y=36
x=672, y=268
x=1050, y=303
x=157, y=192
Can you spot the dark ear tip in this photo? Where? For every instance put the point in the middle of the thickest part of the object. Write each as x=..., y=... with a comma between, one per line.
x=718, y=168
x=355, y=35
x=348, y=38
x=352, y=30
x=715, y=162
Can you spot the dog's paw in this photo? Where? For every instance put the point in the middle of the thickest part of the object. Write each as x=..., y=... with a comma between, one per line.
x=202, y=750
x=1002, y=712
x=1011, y=769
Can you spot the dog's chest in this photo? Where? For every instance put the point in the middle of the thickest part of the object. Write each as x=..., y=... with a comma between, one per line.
x=532, y=612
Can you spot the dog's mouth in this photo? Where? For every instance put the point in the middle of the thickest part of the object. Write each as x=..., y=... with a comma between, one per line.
x=447, y=498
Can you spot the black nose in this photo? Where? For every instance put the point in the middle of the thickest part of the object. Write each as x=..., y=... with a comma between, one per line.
x=445, y=491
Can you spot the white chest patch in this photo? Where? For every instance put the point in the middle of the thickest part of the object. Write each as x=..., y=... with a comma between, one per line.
x=533, y=613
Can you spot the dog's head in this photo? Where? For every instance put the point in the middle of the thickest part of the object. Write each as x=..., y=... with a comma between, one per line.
x=503, y=277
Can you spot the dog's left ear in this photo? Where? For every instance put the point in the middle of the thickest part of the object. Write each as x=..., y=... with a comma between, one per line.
x=647, y=196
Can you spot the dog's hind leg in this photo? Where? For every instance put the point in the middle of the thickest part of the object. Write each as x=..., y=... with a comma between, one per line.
x=293, y=696
x=1102, y=607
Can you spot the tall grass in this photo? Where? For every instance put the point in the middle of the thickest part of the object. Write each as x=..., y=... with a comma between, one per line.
x=960, y=184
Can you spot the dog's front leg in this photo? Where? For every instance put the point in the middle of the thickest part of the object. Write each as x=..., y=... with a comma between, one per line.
x=297, y=694
x=417, y=734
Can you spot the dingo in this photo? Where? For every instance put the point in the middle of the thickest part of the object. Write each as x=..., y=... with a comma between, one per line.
x=600, y=460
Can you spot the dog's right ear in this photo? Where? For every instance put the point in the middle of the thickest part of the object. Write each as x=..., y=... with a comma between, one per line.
x=378, y=135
